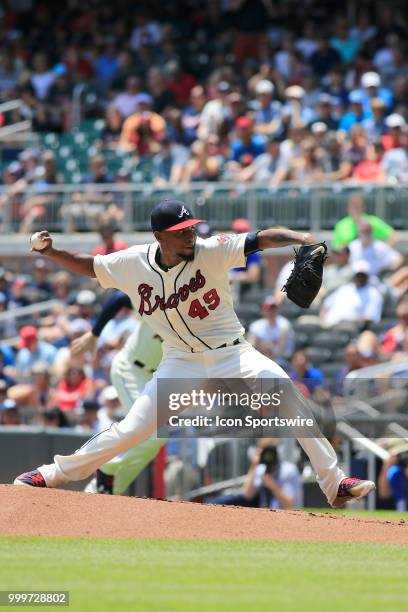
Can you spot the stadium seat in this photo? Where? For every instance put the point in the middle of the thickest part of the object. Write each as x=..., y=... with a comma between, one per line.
x=330, y=370
x=306, y=327
x=330, y=340
x=316, y=355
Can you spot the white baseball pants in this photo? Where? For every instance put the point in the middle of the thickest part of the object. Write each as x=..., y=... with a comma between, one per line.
x=240, y=361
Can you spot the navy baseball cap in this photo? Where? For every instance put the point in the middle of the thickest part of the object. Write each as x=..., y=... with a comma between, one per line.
x=172, y=215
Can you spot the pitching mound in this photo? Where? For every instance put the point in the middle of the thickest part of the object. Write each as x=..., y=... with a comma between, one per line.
x=48, y=512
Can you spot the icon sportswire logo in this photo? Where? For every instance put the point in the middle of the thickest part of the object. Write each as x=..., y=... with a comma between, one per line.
x=184, y=211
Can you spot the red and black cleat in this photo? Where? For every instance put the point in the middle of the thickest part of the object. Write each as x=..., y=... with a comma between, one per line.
x=30, y=479
x=351, y=489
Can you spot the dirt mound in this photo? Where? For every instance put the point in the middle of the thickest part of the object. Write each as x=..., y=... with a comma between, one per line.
x=48, y=512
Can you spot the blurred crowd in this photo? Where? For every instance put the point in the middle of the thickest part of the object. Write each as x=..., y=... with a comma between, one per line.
x=240, y=90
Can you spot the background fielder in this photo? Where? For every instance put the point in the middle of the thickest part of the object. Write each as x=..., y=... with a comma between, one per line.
x=180, y=285
x=132, y=367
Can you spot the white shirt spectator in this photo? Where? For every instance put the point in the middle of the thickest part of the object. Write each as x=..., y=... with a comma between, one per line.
x=378, y=255
x=42, y=83
x=395, y=164
x=352, y=303
x=126, y=103
x=279, y=335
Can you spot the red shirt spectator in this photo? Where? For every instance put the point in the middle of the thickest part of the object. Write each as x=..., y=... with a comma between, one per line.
x=110, y=245
x=73, y=388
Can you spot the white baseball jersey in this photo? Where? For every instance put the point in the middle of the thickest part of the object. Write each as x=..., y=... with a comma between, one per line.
x=190, y=306
x=144, y=346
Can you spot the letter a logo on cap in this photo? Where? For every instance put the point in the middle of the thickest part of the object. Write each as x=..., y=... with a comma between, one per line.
x=184, y=211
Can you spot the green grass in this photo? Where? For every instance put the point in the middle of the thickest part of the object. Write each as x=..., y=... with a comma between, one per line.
x=200, y=575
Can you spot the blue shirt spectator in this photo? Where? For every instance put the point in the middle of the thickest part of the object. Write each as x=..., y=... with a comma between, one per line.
x=32, y=351
x=303, y=372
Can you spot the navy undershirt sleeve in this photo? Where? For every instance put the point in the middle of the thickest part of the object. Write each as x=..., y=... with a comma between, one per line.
x=251, y=243
x=109, y=310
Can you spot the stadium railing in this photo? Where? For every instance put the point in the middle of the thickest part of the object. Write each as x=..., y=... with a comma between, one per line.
x=77, y=207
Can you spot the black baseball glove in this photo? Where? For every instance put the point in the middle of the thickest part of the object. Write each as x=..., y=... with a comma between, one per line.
x=306, y=277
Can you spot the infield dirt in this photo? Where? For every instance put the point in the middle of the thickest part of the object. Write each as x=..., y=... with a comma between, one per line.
x=49, y=512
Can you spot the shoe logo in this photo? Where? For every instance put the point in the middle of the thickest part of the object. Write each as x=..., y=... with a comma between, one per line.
x=184, y=211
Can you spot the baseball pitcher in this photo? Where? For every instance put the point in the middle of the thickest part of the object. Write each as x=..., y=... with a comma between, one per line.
x=179, y=285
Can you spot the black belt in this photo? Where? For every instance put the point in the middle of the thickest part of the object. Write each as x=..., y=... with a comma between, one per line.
x=139, y=364
x=237, y=341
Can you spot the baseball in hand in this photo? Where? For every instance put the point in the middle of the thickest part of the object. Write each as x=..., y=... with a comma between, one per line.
x=37, y=242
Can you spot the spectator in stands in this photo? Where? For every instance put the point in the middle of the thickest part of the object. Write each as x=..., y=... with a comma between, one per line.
x=32, y=351
x=269, y=483
x=86, y=413
x=7, y=327
x=396, y=135
x=157, y=86
x=42, y=77
x=98, y=173
x=142, y=129
x=248, y=146
x=358, y=301
x=106, y=65
x=343, y=43
x=18, y=296
x=352, y=361
x=109, y=408
x=39, y=286
x=201, y=166
x=356, y=114
x=215, y=111
x=59, y=99
x=371, y=86
x=74, y=387
x=272, y=335
x=378, y=255
x=346, y=229
x=169, y=163
x=395, y=162
x=294, y=111
x=338, y=164
x=107, y=230
x=10, y=74
x=4, y=376
x=126, y=101
x=306, y=374
x=9, y=414
x=392, y=480
x=52, y=417
x=62, y=286
x=325, y=58
x=338, y=271
x=394, y=338
x=72, y=330
x=371, y=170
x=325, y=112
x=375, y=126
x=180, y=83
x=267, y=111
x=113, y=128
x=265, y=167
x=85, y=303
x=309, y=167
x=191, y=115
